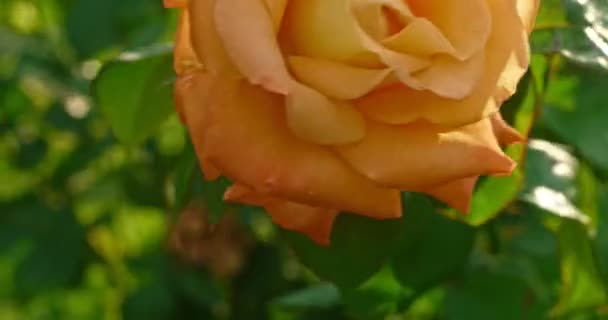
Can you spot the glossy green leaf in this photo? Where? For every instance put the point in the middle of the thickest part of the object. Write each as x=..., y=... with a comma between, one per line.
x=324, y=295
x=135, y=93
x=359, y=247
x=486, y=295
x=582, y=283
x=576, y=111
x=378, y=298
x=551, y=180
x=183, y=176
x=432, y=248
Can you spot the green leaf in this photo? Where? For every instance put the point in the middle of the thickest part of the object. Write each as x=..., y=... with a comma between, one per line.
x=601, y=239
x=213, y=195
x=190, y=184
x=551, y=180
x=359, y=247
x=576, y=111
x=135, y=93
x=152, y=301
x=432, y=248
x=582, y=283
x=58, y=257
x=184, y=173
x=323, y=295
x=377, y=298
x=198, y=287
x=585, y=41
x=487, y=295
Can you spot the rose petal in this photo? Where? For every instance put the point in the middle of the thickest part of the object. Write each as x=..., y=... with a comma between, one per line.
x=315, y=222
x=245, y=136
x=248, y=34
x=379, y=17
x=192, y=93
x=313, y=25
x=528, y=10
x=205, y=40
x=450, y=78
x=457, y=194
x=185, y=59
x=418, y=157
x=506, y=60
x=399, y=105
x=309, y=21
x=404, y=66
x=334, y=79
x=276, y=8
x=505, y=134
x=465, y=23
x=315, y=118
x=175, y=3
x=421, y=37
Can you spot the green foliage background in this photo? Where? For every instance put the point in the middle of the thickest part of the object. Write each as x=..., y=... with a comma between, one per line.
x=96, y=173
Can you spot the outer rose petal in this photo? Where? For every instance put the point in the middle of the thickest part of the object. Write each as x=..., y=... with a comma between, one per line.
x=248, y=34
x=185, y=58
x=175, y=3
x=528, y=10
x=276, y=8
x=312, y=221
x=417, y=157
x=205, y=40
x=457, y=194
x=505, y=134
x=192, y=92
x=506, y=61
x=262, y=153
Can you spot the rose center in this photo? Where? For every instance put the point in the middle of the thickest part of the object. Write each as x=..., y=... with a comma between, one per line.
x=392, y=20
x=381, y=21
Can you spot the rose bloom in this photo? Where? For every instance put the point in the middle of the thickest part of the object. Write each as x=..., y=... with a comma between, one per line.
x=315, y=107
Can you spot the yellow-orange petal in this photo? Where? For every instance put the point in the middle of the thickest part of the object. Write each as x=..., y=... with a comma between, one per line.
x=175, y=3
x=276, y=8
x=418, y=157
x=245, y=136
x=314, y=222
x=205, y=39
x=528, y=10
x=315, y=118
x=421, y=37
x=184, y=57
x=506, y=60
x=334, y=79
x=381, y=18
x=247, y=32
x=192, y=93
x=323, y=29
x=456, y=194
x=450, y=78
x=465, y=23
x=505, y=134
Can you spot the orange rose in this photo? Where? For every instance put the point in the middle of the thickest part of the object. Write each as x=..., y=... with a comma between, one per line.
x=313, y=107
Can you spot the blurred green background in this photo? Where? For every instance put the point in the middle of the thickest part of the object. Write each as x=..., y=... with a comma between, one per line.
x=104, y=215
